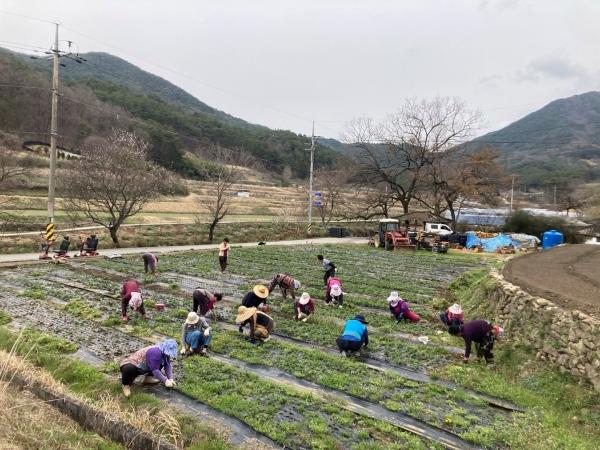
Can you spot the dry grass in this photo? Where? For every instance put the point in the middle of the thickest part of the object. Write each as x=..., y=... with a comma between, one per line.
x=157, y=421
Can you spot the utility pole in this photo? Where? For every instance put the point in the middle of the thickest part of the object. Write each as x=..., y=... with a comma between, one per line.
x=310, y=182
x=53, y=128
x=512, y=191
x=554, y=195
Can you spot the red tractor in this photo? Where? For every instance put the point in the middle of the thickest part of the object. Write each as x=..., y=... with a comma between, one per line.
x=392, y=237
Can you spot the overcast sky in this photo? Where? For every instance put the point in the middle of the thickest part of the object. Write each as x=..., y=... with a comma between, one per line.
x=283, y=63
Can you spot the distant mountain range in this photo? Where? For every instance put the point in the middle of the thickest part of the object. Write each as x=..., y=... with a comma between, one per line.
x=557, y=143
x=108, y=92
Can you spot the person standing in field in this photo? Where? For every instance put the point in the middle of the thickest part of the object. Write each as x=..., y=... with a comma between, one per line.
x=223, y=253
x=150, y=262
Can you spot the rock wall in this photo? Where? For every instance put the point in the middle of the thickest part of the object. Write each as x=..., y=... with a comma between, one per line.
x=566, y=338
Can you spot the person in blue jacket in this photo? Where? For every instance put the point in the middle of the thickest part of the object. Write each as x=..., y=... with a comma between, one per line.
x=354, y=336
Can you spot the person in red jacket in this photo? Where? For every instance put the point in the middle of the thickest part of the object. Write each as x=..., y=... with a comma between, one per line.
x=304, y=307
x=132, y=297
x=333, y=293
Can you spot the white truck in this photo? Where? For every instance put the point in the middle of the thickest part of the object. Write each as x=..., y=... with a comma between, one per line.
x=437, y=228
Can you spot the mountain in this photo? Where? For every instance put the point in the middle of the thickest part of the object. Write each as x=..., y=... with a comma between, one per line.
x=555, y=144
x=108, y=92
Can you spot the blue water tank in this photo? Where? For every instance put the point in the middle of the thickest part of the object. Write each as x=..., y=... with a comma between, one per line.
x=551, y=239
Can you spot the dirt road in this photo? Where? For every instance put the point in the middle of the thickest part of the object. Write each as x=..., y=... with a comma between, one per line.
x=568, y=276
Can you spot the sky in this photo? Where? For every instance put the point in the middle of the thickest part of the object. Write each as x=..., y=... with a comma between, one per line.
x=284, y=63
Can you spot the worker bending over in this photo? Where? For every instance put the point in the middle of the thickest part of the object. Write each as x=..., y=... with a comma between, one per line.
x=261, y=325
x=151, y=361
x=329, y=268
x=286, y=283
x=483, y=333
x=195, y=335
x=453, y=315
x=304, y=307
x=256, y=298
x=354, y=336
x=150, y=262
x=204, y=300
x=131, y=297
x=399, y=308
x=333, y=293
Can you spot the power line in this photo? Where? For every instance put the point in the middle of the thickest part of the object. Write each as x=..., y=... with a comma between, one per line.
x=10, y=13
x=21, y=86
x=21, y=132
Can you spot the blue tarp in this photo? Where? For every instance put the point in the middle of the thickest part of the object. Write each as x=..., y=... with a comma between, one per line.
x=490, y=244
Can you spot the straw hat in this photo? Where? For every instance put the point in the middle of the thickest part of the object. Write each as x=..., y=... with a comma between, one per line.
x=296, y=284
x=455, y=309
x=394, y=297
x=336, y=290
x=260, y=291
x=304, y=298
x=192, y=318
x=244, y=314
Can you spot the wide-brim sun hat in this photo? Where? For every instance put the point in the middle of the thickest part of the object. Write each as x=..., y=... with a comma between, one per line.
x=394, y=297
x=260, y=291
x=455, y=309
x=304, y=298
x=361, y=319
x=296, y=284
x=192, y=318
x=336, y=290
x=169, y=348
x=244, y=314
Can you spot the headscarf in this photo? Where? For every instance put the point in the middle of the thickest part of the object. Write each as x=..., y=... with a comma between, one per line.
x=169, y=348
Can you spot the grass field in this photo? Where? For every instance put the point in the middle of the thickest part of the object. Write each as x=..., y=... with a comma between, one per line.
x=296, y=389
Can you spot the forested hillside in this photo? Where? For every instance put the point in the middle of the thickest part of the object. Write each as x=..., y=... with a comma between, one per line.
x=107, y=92
x=560, y=142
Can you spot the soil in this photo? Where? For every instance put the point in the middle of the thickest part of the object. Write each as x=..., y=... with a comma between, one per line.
x=568, y=276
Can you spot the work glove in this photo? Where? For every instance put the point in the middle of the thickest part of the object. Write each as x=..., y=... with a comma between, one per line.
x=305, y=319
x=207, y=332
x=170, y=383
x=182, y=351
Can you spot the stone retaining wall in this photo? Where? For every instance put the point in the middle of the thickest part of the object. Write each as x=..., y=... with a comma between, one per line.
x=568, y=339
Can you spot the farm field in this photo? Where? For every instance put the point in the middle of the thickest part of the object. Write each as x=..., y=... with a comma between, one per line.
x=296, y=390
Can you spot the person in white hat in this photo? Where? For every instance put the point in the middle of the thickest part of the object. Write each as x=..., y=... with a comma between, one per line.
x=453, y=315
x=261, y=325
x=399, y=308
x=304, y=307
x=195, y=334
x=286, y=283
x=131, y=297
x=334, y=294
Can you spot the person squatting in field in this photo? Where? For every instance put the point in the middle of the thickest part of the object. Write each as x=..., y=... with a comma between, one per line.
x=150, y=262
x=151, y=361
x=132, y=297
x=483, y=333
x=354, y=336
x=256, y=298
x=453, y=315
x=223, y=253
x=329, y=268
x=204, y=300
x=304, y=307
x=195, y=334
x=399, y=308
x=261, y=325
x=286, y=283
x=333, y=292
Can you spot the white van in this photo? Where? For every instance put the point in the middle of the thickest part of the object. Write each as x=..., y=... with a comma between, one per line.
x=438, y=228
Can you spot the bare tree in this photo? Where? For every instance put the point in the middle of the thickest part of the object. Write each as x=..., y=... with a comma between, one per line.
x=10, y=166
x=113, y=181
x=222, y=177
x=397, y=151
x=368, y=202
x=458, y=175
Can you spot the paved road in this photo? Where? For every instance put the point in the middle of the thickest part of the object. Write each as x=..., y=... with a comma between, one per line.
x=17, y=257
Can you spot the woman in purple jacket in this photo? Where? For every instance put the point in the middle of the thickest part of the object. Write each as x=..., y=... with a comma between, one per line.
x=483, y=333
x=150, y=361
